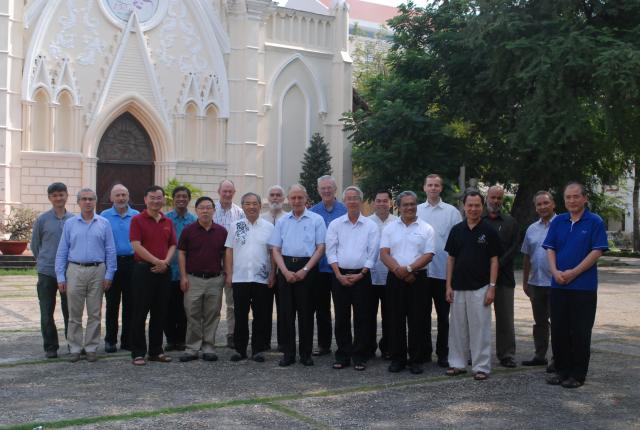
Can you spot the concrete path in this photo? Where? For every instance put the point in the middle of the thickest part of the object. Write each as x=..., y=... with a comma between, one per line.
x=114, y=394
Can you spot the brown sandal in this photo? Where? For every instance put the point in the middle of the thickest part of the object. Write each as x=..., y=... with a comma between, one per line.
x=454, y=371
x=480, y=376
x=139, y=361
x=161, y=358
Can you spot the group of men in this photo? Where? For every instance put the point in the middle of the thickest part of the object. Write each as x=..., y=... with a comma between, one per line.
x=427, y=255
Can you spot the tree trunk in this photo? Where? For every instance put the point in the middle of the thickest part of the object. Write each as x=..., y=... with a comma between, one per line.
x=636, y=211
x=523, y=209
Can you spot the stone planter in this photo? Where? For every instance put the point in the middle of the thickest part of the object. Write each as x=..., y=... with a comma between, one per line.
x=13, y=247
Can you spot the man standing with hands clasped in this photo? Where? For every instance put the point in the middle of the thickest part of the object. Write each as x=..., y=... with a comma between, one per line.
x=85, y=264
x=472, y=269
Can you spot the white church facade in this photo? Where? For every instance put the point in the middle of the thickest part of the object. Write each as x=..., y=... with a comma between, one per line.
x=141, y=91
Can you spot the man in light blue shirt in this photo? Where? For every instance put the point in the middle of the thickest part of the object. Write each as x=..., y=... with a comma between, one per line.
x=85, y=265
x=119, y=216
x=329, y=209
x=297, y=244
x=536, y=276
x=175, y=327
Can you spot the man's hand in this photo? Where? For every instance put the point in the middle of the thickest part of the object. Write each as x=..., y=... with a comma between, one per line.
x=184, y=284
x=400, y=272
x=345, y=280
x=290, y=277
x=570, y=275
x=106, y=284
x=271, y=282
x=228, y=278
x=410, y=278
x=525, y=288
x=160, y=266
x=491, y=295
x=449, y=295
x=559, y=277
x=301, y=274
x=62, y=286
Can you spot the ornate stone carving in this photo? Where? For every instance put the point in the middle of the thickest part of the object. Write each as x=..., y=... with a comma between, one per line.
x=125, y=140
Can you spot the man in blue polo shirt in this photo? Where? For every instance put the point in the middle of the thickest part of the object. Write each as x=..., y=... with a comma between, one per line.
x=329, y=209
x=575, y=241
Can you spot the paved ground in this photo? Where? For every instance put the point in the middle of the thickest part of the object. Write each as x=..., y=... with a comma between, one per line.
x=113, y=394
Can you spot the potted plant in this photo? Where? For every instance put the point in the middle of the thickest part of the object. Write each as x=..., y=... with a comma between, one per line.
x=18, y=225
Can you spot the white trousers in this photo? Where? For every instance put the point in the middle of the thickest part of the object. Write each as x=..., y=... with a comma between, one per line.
x=470, y=330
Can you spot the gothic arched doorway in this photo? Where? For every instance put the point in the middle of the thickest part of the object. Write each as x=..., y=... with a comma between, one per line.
x=125, y=156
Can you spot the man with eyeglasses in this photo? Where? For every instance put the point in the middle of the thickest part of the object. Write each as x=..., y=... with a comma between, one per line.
x=85, y=265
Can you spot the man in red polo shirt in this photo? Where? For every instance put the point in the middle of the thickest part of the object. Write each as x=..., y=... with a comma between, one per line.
x=154, y=241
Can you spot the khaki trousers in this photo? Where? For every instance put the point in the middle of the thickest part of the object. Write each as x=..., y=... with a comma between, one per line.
x=230, y=313
x=84, y=287
x=202, y=303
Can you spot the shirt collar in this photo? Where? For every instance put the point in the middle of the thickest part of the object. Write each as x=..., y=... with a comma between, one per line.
x=146, y=214
x=399, y=220
x=128, y=213
x=360, y=219
x=440, y=204
x=304, y=214
x=94, y=219
x=540, y=222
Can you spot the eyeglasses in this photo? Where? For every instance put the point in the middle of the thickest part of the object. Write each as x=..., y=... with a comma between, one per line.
x=87, y=199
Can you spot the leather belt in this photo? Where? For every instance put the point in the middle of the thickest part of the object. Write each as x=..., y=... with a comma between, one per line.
x=296, y=259
x=92, y=264
x=350, y=271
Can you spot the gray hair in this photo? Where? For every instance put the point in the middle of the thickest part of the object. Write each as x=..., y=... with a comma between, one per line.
x=275, y=187
x=226, y=180
x=86, y=190
x=328, y=178
x=353, y=188
x=118, y=185
x=249, y=194
x=403, y=194
x=297, y=187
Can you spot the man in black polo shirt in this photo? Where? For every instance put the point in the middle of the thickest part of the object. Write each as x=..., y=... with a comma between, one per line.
x=472, y=268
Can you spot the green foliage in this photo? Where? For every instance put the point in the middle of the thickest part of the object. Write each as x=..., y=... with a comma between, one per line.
x=172, y=184
x=316, y=163
x=19, y=223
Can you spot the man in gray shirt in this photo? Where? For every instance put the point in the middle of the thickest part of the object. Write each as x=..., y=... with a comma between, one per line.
x=44, y=244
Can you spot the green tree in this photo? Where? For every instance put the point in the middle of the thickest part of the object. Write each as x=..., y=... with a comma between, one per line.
x=316, y=163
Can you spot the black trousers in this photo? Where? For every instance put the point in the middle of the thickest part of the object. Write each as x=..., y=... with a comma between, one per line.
x=175, y=326
x=47, y=288
x=437, y=292
x=358, y=297
x=407, y=304
x=572, y=317
x=297, y=299
x=322, y=307
x=254, y=296
x=541, y=306
x=378, y=296
x=274, y=298
x=120, y=290
x=150, y=293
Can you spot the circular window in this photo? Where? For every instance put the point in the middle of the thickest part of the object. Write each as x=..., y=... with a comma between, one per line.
x=149, y=12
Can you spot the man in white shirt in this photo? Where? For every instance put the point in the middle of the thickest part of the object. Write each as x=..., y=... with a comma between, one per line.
x=406, y=247
x=442, y=217
x=382, y=216
x=251, y=275
x=226, y=213
x=352, y=244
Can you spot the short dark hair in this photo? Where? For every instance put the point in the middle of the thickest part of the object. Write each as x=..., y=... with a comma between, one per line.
x=387, y=192
x=179, y=188
x=472, y=193
x=56, y=187
x=583, y=190
x=404, y=194
x=203, y=198
x=543, y=193
x=153, y=189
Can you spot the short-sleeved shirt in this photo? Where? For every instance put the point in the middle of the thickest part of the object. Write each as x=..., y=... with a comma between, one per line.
x=298, y=237
x=442, y=217
x=251, y=261
x=225, y=217
x=179, y=223
x=379, y=271
x=155, y=236
x=204, y=248
x=572, y=242
x=120, y=224
x=472, y=250
x=352, y=246
x=540, y=274
x=45, y=238
x=407, y=243
x=336, y=211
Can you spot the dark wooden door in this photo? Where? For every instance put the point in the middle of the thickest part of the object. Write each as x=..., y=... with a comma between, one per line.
x=125, y=156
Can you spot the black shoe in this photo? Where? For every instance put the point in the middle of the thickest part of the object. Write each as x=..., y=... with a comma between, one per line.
x=535, y=362
x=188, y=357
x=508, y=362
x=230, y=343
x=258, y=358
x=83, y=353
x=396, y=367
x=321, y=351
x=555, y=379
x=51, y=354
x=237, y=357
x=110, y=348
x=386, y=355
x=286, y=361
x=416, y=368
x=551, y=368
x=572, y=383
x=209, y=356
x=443, y=362
x=306, y=361
x=180, y=346
x=170, y=347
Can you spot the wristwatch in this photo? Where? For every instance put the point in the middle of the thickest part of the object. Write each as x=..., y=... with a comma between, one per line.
x=492, y=285
x=409, y=269
x=305, y=268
